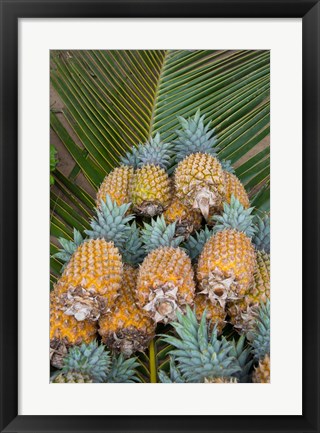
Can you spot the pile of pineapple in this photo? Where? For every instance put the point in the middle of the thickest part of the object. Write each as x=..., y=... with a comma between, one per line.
x=174, y=242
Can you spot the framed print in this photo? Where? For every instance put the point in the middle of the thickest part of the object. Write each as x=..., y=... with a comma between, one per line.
x=159, y=216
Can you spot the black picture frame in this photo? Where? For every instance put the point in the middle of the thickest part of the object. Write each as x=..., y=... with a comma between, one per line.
x=11, y=11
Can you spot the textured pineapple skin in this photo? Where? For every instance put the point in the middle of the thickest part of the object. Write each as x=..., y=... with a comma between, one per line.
x=261, y=373
x=165, y=283
x=186, y=218
x=233, y=186
x=199, y=182
x=127, y=328
x=241, y=312
x=90, y=283
x=66, y=331
x=151, y=191
x=117, y=184
x=221, y=380
x=226, y=266
x=72, y=377
x=216, y=314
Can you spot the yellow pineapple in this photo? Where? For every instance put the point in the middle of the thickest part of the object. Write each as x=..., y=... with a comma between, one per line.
x=199, y=183
x=151, y=192
x=226, y=266
x=261, y=373
x=233, y=186
x=90, y=282
x=127, y=328
x=117, y=184
x=187, y=219
x=165, y=283
x=216, y=314
x=241, y=312
x=66, y=331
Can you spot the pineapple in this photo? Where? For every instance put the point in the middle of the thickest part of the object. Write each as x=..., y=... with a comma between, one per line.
x=242, y=312
x=66, y=331
x=187, y=219
x=166, y=279
x=90, y=282
x=226, y=266
x=127, y=328
x=199, y=180
x=261, y=373
x=215, y=314
x=199, y=356
x=151, y=190
x=117, y=185
x=234, y=187
x=199, y=183
x=227, y=262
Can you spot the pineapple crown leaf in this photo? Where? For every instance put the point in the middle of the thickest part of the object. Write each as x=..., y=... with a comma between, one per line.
x=68, y=247
x=131, y=157
x=111, y=222
x=194, y=137
x=243, y=356
x=234, y=216
x=123, y=370
x=174, y=374
x=259, y=336
x=155, y=152
x=194, y=244
x=159, y=234
x=132, y=250
x=227, y=165
x=88, y=359
x=200, y=355
x=261, y=239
